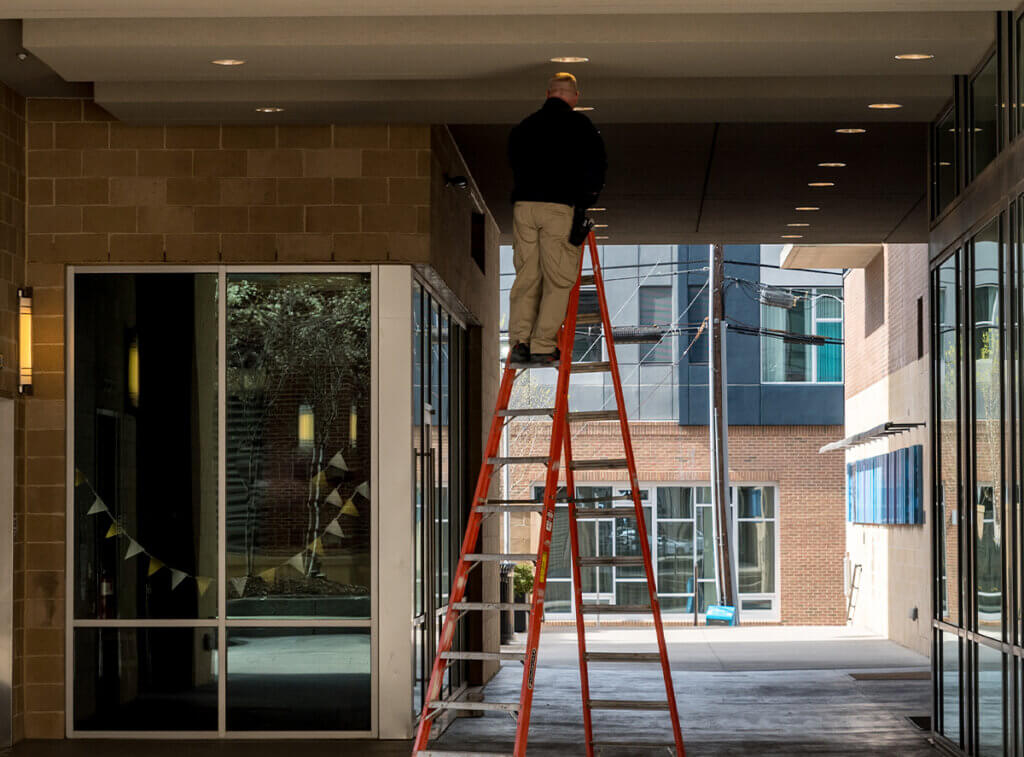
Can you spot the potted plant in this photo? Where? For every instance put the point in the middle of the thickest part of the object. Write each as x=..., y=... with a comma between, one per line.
x=522, y=580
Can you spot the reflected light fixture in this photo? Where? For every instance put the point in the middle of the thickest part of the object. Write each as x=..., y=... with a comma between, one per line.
x=852, y=130
x=133, y=371
x=831, y=165
x=797, y=224
x=944, y=163
x=570, y=59
x=25, y=340
x=821, y=183
x=581, y=108
x=885, y=106
x=600, y=226
x=914, y=56
x=228, y=62
x=269, y=109
x=305, y=425
x=601, y=237
x=792, y=236
x=597, y=210
x=806, y=208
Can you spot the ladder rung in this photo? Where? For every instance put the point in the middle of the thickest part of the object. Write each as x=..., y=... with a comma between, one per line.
x=595, y=367
x=524, y=411
x=493, y=606
x=444, y=753
x=593, y=415
x=625, y=704
x=533, y=501
x=488, y=509
x=587, y=280
x=530, y=365
x=592, y=609
x=604, y=512
x=623, y=657
x=481, y=706
x=527, y=460
x=619, y=561
x=483, y=655
x=670, y=745
x=499, y=557
x=599, y=464
x=585, y=319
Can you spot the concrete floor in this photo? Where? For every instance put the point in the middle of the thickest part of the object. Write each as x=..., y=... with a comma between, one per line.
x=743, y=691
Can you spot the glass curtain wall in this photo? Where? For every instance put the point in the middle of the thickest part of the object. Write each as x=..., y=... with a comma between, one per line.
x=222, y=504
x=680, y=517
x=440, y=494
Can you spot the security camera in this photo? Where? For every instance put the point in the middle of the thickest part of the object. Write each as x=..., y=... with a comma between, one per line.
x=458, y=182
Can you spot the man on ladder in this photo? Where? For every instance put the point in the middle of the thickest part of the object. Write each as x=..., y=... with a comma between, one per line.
x=558, y=160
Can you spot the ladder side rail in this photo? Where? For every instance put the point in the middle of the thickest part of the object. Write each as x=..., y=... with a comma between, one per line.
x=577, y=585
x=462, y=570
x=645, y=548
x=558, y=427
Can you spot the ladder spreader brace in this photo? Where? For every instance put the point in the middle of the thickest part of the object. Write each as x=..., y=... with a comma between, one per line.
x=560, y=444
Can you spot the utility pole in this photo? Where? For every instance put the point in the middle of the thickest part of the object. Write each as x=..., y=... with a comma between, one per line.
x=718, y=430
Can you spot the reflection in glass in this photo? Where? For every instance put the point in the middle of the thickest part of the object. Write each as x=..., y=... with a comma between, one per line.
x=755, y=502
x=627, y=543
x=145, y=679
x=145, y=431
x=675, y=501
x=991, y=707
x=988, y=506
x=944, y=165
x=558, y=597
x=947, y=437
x=951, y=687
x=985, y=111
x=756, y=557
x=298, y=515
x=298, y=679
x=675, y=557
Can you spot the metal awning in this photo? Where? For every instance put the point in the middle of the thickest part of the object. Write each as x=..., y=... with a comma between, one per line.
x=889, y=428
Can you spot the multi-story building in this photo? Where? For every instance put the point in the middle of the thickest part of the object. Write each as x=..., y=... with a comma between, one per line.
x=785, y=401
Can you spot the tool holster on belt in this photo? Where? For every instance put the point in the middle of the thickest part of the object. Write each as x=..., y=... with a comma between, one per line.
x=581, y=227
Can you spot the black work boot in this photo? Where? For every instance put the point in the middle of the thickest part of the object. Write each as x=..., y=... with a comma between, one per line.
x=545, y=358
x=520, y=354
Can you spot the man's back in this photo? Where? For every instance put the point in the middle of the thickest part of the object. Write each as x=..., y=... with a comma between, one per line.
x=557, y=156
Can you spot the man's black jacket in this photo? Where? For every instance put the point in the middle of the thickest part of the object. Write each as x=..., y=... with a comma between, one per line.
x=557, y=155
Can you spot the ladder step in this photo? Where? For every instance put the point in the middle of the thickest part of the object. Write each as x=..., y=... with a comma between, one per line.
x=525, y=411
x=585, y=319
x=604, y=512
x=587, y=280
x=623, y=657
x=599, y=464
x=494, y=606
x=595, y=367
x=619, y=561
x=499, y=557
x=528, y=460
x=444, y=753
x=484, y=655
x=479, y=706
x=659, y=745
x=593, y=415
x=511, y=508
x=592, y=609
x=498, y=501
x=625, y=704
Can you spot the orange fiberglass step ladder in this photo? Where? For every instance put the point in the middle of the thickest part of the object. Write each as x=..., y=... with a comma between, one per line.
x=485, y=506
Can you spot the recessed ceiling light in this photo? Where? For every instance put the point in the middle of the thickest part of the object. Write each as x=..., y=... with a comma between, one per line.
x=797, y=224
x=228, y=62
x=851, y=131
x=597, y=210
x=269, y=109
x=570, y=59
x=885, y=106
x=821, y=183
x=601, y=237
x=944, y=163
x=914, y=56
x=600, y=226
x=584, y=107
x=806, y=208
x=792, y=236
x=831, y=165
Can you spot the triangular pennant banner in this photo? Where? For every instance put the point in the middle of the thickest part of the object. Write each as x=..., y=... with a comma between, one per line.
x=364, y=489
x=298, y=562
x=114, y=530
x=334, y=498
x=134, y=548
x=350, y=509
x=154, y=566
x=269, y=575
x=239, y=583
x=319, y=481
x=338, y=462
x=203, y=583
x=177, y=576
x=97, y=507
x=316, y=546
x=335, y=528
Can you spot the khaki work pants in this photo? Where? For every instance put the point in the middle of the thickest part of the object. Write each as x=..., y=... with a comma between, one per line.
x=546, y=269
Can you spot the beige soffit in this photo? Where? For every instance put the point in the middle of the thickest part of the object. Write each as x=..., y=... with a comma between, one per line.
x=829, y=255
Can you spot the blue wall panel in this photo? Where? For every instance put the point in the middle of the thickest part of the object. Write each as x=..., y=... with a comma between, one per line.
x=886, y=489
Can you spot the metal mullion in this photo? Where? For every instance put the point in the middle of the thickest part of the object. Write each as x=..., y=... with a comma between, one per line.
x=222, y=431
x=69, y=504
x=375, y=551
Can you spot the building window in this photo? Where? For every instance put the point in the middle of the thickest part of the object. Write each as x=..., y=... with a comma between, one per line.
x=186, y=584
x=586, y=347
x=945, y=162
x=785, y=359
x=983, y=132
x=656, y=310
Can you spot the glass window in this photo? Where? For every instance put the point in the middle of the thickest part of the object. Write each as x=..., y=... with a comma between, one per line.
x=298, y=679
x=586, y=346
x=146, y=440
x=985, y=114
x=675, y=502
x=987, y=357
x=145, y=679
x=944, y=160
x=947, y=438
x=298, y=445
x=656, y=310
x=755, y=534
x=991, y=705
x=950, y=687
x=787, y=357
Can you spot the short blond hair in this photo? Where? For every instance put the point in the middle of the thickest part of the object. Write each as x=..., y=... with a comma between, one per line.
x=563, y=82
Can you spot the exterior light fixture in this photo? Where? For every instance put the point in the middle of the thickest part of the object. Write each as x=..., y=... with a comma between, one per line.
x=580, y=108
x=25, y=340
x=793, y=225
x=353, y=425
x=133, y=371
x=831, y=165
x=821, y=183
x=269, y=109
x=228, y=62
x=914, y=56
x=854, y=130
x=806, y=208
x=885, y=106
x=305, y=426
x=570, y=59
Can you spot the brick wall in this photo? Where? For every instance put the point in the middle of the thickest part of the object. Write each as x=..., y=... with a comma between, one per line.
x=811, y=488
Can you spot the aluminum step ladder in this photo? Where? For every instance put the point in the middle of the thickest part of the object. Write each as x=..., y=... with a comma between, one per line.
x=580, y=509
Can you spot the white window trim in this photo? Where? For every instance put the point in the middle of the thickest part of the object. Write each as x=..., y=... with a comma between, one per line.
x=814, y=361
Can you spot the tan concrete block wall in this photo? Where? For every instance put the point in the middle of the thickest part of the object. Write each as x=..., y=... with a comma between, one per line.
x=811, y=489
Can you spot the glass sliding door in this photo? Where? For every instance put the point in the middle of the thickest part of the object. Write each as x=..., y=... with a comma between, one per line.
x=222, y=509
